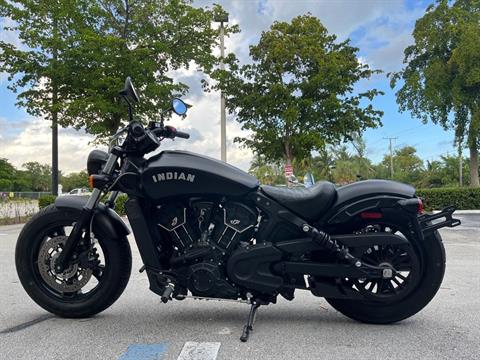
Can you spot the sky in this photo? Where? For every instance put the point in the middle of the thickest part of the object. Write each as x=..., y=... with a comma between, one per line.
x=381, y=29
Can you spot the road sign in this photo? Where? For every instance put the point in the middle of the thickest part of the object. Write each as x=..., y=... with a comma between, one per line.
x=288, y=170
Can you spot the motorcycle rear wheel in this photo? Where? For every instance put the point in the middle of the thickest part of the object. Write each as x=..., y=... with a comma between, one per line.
x=431, y=254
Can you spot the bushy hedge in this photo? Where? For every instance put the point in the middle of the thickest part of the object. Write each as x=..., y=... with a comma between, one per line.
x=120, y=204
x=461, y=198
x=45, y=200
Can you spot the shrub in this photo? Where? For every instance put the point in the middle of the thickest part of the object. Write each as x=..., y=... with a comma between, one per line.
x=45, y=200
x=461, y=198
x=120, y=204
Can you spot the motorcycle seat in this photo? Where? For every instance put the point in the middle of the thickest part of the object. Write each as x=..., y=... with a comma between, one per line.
x=308, y=203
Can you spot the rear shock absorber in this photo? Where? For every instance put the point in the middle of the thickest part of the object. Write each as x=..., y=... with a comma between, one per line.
x=326, y=242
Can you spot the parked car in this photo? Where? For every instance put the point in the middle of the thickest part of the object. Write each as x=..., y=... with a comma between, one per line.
x=79, y=192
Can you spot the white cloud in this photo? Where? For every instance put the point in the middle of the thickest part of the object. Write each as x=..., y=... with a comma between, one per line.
x=33, y=143
x=204, y=119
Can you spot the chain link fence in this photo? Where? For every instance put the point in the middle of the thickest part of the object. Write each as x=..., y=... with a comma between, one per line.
x=33, y=195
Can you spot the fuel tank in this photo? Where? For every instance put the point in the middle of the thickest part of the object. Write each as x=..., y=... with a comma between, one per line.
x=182, y=173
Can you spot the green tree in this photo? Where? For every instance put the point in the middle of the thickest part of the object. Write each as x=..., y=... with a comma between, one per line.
x=75, y=180
x=322, y=165
x=296, y=95
x=76, y=54
x=351, y=167
x=142, y=39
x=408, y=167
x=39, y=69
x=441, y=79
x=79, y=53
x=266, y=172
x=37, y=175
x=7, y=175
x=449, y=171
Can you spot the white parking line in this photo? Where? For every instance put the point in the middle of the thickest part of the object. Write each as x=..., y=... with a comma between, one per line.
x=199, y=351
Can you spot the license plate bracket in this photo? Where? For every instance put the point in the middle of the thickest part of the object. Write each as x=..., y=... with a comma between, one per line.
x=428, y=222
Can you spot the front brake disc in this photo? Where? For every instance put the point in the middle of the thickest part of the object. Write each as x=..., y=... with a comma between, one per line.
x=71, y=279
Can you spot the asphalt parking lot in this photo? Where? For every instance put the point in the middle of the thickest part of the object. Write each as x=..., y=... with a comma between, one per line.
x=306, y=328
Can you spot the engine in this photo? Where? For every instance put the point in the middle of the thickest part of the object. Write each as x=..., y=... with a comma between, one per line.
x=204, y=234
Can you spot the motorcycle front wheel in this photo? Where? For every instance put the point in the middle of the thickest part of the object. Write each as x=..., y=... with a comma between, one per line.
x=419, y=270
x=93, y=281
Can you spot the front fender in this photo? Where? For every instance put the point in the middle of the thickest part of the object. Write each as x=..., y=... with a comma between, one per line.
x=105, y=218
x=361, y=196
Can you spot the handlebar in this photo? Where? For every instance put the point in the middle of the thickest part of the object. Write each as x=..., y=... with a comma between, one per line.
x=170, y=132
x=182, y=135
x=142, y=140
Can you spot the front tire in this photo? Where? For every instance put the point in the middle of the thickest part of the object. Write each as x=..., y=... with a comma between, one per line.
x=431, y=253
x=84, y=289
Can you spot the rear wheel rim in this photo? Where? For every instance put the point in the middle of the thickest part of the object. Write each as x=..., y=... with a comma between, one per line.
x=401, y=258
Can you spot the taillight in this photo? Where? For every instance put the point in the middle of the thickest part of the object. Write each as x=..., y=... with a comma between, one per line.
x=420, y=208
x=368, y=215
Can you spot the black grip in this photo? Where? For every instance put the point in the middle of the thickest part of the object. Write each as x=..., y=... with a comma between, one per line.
x=182, y=134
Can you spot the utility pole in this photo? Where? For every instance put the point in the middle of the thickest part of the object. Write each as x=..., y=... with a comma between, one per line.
x=222, y=18
x=55, y=111
x=391, y=154
x=460, y=166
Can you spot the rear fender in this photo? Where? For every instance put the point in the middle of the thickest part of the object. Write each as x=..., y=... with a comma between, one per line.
x=353, y=199
x=105, y=218
x=350, y=210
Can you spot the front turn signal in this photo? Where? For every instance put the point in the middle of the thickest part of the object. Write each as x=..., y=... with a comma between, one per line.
x=98, y=181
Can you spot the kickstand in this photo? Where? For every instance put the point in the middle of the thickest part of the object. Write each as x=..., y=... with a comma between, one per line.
x=251, y=319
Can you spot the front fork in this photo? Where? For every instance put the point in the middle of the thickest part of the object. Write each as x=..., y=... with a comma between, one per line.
x=83, y=223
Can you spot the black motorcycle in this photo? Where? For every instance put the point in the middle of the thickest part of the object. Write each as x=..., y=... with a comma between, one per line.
x=206, y=230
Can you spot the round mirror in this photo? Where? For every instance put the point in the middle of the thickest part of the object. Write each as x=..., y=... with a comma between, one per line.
x=179, y=107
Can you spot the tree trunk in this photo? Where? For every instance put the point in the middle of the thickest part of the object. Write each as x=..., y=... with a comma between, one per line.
x=474, y=182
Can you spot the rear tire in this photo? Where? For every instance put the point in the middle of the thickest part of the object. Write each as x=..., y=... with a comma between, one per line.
x=432, y=256
x=111, y=280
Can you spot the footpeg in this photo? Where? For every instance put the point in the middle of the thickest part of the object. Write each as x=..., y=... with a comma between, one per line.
x=167, y=293
x=249, y=325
